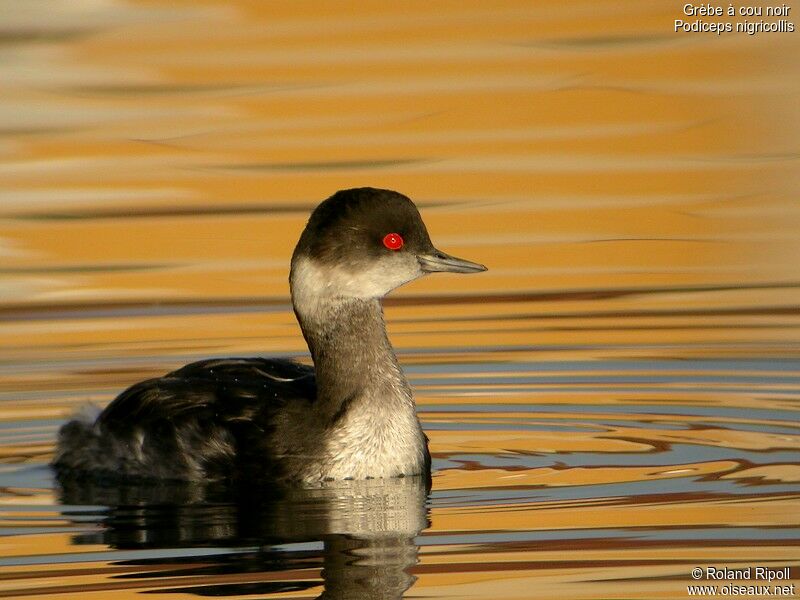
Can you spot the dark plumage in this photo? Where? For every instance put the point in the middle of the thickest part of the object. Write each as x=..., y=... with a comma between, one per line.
x=350, y=417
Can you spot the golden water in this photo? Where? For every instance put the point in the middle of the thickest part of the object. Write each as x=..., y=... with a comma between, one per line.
x=614, y=403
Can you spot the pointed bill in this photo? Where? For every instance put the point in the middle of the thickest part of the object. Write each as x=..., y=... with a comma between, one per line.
x=437, y=261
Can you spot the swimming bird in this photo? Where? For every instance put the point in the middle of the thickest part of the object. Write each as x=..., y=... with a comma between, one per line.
x=350, y=416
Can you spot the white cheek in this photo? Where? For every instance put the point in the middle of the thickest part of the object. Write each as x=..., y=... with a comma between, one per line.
x=380, y=279
x=310, y=281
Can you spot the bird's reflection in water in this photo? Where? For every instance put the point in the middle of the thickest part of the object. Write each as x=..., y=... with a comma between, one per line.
x=366, y=530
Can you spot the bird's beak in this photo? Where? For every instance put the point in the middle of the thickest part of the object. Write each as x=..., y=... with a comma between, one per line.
x=438, y=261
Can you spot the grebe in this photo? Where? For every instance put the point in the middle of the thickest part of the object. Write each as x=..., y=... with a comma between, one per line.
x=351, y=416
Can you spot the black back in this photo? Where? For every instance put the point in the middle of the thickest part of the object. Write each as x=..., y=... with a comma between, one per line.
x=220, y=408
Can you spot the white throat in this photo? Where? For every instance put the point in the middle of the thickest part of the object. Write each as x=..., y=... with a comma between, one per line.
x=314, y=285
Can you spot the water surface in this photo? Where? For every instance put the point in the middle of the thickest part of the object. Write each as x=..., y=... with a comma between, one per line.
x=615, y=402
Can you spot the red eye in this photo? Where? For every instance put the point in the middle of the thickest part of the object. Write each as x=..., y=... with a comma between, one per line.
x=393, y=241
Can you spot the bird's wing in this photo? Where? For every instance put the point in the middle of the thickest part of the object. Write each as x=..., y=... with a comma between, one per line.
x=222, y=390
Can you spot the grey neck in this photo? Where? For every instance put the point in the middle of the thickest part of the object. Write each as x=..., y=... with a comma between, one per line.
x=353, y=358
